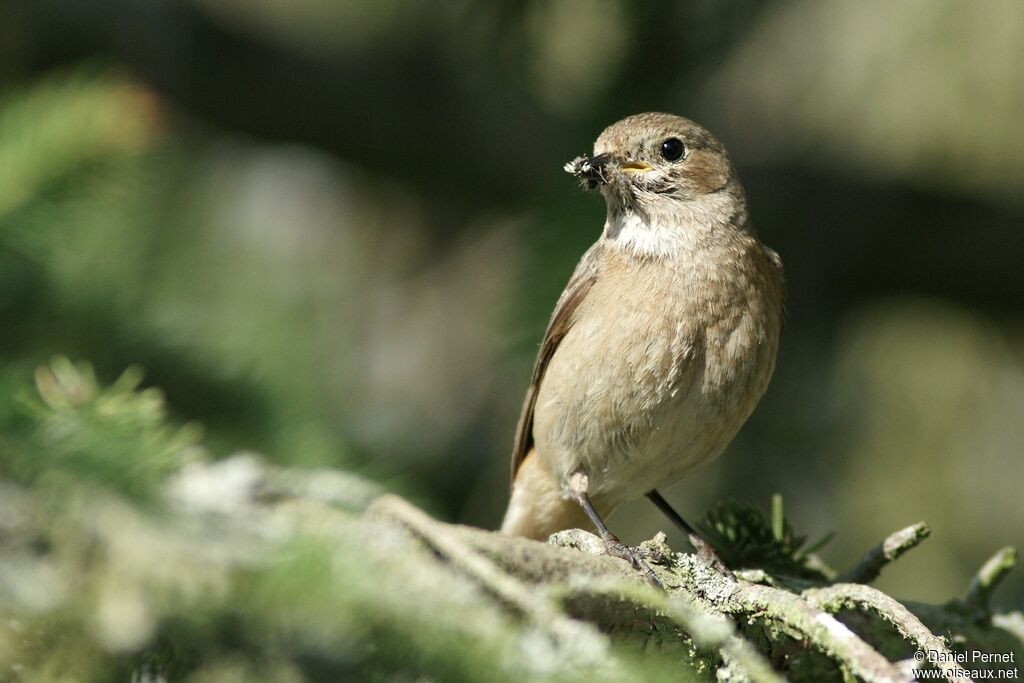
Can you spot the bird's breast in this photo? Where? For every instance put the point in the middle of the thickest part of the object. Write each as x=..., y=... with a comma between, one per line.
x=663, y=363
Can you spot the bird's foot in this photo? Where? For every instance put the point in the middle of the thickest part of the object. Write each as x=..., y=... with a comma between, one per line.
x=708, y=554
x=635, y=556
x=656, y=550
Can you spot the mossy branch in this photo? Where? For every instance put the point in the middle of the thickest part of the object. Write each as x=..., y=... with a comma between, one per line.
x=237, y=570
x=701, y=601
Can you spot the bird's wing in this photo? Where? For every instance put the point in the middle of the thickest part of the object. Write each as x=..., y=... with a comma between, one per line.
x=561, y=321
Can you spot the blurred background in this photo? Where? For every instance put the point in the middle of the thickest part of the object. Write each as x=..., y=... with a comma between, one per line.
x=333, y=233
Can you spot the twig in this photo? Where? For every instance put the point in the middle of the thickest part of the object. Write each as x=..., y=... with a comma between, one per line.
x=867, y=599
x=989, y=576
x=826, y=632
x=708, y=628
x=870, y=566
x=791, y=611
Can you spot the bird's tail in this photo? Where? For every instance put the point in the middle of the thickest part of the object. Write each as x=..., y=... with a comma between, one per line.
x=537, y=508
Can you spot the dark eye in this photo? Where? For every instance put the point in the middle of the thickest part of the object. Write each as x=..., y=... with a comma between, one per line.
x=672, y=149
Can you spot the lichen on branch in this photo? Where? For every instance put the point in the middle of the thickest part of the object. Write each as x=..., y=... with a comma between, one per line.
x=188, y=568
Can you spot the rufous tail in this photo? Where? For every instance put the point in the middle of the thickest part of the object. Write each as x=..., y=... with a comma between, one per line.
x=537, y=508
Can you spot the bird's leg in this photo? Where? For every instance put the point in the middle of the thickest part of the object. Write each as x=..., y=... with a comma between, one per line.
x=703, y=548
x=579, y=485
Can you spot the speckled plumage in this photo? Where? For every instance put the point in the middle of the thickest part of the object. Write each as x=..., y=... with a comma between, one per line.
x=664, y=339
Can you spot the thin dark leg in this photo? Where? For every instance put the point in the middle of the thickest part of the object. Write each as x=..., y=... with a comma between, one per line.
x=702, y=547
x=615, y=547
x=676, y=518
x=584, y=501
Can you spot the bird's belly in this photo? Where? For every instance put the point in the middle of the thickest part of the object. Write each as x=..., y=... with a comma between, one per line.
x=637, y=408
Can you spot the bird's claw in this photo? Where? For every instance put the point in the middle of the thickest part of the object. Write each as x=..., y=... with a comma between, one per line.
x=635, y=556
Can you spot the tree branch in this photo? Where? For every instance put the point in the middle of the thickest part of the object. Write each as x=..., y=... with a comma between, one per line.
x=867, y=599
x=870, y=566
x=698, y=599
x=988, y=578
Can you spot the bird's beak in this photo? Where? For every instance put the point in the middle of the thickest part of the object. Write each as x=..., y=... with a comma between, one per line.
x=591, y=170
x=635, y=167
x=596, y=166
x=600, y=161
x=594, y=169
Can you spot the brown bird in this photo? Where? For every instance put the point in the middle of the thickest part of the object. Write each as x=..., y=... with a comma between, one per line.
x=661, y=344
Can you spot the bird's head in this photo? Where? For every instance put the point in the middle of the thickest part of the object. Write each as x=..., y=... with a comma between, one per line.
x=660, y=166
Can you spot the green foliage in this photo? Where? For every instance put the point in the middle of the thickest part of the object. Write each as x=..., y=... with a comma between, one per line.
x=51, y=133
x=95, y=264
x=123, y=551
x=116, y=437
x=744, y=537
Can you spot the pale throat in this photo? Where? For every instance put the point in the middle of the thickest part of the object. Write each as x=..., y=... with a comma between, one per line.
x=681, y=226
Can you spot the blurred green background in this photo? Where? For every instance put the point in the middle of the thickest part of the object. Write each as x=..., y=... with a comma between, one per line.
x=333, y=233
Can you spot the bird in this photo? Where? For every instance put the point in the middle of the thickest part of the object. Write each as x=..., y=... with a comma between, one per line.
x=661, y=344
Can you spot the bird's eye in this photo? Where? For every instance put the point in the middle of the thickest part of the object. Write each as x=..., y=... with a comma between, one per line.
x=672, y=149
